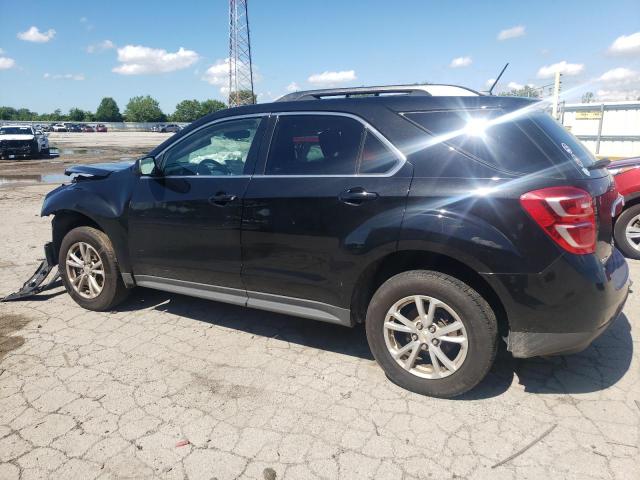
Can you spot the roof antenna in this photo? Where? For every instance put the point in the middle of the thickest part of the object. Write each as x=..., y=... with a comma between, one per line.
x=498, y=79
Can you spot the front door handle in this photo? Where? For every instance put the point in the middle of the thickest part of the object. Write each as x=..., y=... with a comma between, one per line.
x=356, y=196
x=220, y=199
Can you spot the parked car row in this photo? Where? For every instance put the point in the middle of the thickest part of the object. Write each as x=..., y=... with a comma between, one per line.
x=169, y=127
x=77, y=127
x=23, y=141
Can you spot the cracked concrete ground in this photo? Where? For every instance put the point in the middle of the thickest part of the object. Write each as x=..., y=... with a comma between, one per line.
x=168, y=386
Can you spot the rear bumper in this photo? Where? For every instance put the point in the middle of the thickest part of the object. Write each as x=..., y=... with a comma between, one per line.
x=564, y=308
x=536, y=344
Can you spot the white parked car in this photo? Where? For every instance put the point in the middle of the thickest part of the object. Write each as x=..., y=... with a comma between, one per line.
x=23, y=140
x=59, y=127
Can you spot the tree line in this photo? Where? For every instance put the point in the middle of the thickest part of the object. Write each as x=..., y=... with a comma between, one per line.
x=138, y=109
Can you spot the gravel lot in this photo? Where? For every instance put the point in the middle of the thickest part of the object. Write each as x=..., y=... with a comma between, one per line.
x=168, y=386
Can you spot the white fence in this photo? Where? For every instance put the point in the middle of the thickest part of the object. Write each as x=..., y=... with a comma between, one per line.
x=607, y=129
x=111, y=126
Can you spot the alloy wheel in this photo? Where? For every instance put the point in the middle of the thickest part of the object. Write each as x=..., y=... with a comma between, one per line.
x=425, y=336
x=632, y=232
x=85, y=270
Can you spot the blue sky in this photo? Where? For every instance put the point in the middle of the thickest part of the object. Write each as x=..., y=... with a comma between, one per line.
x=71, y=53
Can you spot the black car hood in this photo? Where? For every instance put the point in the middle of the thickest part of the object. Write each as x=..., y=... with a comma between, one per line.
x=98, y=170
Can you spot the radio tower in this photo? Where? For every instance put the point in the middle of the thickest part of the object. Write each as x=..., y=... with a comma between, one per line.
x=240, y=69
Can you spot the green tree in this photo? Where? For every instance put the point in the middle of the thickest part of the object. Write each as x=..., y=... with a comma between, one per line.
x=144, y=109
x=8, y=113
x=187, y=111
x=108, y=111
x=76, y=115
x=210, y=106
x=25, y=114
x=526, y=91
x=588, y=97
x=243, y=97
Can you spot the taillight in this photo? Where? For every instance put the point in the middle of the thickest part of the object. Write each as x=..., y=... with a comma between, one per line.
x=567, y=215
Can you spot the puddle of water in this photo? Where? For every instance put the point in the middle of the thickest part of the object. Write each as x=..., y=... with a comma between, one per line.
x=9, y=180
x=79, y=151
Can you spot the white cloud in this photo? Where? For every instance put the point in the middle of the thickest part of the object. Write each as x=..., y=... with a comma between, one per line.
x=35, y=35
x=618, y=95
x=101, y=47
x=619, y=75
x=513, y=32
x=139, y=60
x=218, y=73
x=64, y=76
x=489, y=82
x=626, y=45
x=459, y=62
x=293, y=87
x=332, y=78
x=6, y=63
x=514, y=86
x=548, y=71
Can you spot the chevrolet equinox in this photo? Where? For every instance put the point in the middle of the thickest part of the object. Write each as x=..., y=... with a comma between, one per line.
x=441, y=218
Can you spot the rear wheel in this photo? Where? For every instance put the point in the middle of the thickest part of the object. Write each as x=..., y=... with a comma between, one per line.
x=431, y=333
x=89, y=269
x=627, y=232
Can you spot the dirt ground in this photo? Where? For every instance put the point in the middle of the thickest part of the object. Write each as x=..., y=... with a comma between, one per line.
x=168, y=386
x=77, y=148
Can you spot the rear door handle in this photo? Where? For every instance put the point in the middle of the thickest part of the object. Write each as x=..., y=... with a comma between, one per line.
x=220, y=199
x=356, y=196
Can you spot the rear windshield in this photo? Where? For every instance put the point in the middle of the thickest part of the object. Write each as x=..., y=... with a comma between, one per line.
x=513, y=142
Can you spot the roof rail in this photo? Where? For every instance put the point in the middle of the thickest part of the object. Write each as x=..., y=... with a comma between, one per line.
x=429, y=90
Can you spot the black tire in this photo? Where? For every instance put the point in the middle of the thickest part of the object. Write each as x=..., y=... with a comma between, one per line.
x=113, y=290
x=475, y=313
x=619, y=232
x=34, y=153
x=46, y=152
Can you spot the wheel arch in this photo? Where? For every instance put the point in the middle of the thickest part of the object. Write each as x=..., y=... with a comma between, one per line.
x=66, y=220
x=404, y=260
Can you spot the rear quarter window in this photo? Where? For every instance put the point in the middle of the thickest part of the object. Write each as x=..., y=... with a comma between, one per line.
x=511, y=142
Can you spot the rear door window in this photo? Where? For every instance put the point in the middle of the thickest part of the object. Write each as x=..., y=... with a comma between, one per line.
x=513, y=142
x=376, y=156
x=315, y=145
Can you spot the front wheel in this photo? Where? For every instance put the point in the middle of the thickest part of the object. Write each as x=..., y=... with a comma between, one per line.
x=431, y=333
x=627, y=232
x=89, y=270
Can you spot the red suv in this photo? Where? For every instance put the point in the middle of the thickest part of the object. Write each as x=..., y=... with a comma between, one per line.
x=627, y=228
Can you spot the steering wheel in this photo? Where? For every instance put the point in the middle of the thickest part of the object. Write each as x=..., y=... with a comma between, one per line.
x=208, y=166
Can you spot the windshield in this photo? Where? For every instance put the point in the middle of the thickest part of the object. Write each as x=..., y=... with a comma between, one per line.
x=520, y=143
x=15, y=131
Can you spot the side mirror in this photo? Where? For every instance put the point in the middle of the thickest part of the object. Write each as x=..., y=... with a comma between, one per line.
x=147, y=166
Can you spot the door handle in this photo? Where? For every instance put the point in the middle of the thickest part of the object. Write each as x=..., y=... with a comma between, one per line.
x=356, y=196
x=220, y=199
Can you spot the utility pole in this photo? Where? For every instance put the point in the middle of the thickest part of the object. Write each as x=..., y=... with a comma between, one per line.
x=556, y=95
x=240, y=68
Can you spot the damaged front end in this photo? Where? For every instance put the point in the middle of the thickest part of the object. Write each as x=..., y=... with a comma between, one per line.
x=36, y=284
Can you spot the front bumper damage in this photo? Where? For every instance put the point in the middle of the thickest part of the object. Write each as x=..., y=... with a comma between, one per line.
x=36, y=284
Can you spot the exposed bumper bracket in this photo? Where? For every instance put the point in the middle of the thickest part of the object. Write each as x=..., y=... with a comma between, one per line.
x=34, y=285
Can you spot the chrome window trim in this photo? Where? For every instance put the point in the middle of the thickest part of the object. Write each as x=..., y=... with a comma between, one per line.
x=401, y=159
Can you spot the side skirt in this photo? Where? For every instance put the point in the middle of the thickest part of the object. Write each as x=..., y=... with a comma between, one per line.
x=262, y=301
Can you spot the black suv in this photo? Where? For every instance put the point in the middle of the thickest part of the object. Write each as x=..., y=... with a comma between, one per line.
x=441, y=218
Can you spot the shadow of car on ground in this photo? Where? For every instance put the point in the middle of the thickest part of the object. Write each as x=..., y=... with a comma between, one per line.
x=598, y=367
